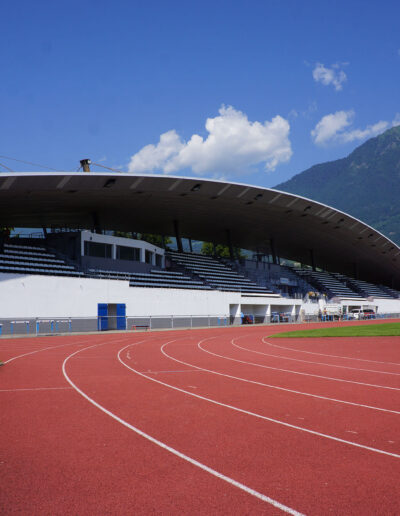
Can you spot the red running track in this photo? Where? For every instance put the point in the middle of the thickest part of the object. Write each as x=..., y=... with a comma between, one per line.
x=219, y=421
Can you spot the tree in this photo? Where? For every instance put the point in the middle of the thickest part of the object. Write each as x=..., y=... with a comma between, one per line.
x=147, y=237
x=222, y=251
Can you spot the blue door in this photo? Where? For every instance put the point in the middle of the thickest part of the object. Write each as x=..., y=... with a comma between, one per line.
x=121, y=319
x=102, y=316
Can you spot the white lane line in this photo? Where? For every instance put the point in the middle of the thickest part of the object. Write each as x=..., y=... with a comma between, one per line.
x=177, y=371
x=175, y=452
x=259, y=416
x=327, y=355
x=37, y=389
x=335, y=400
x=303, y=374
x=78, y=343
x=328, y=365
x=44, y=349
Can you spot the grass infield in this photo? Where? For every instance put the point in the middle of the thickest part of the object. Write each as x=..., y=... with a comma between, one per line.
x=370, y=330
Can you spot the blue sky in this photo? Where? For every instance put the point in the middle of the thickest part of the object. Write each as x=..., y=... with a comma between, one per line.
x=283, y=84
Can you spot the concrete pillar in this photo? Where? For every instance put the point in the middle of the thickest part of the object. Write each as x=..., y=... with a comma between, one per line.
x=273, y=251
x=190, y=245
x=178, y=236
x=230, y=246
x=312, y=259
x=96, y=223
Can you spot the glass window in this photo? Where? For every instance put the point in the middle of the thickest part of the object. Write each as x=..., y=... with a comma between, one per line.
x=97, y=249
x=158, y=260
x=128, y=253
x=148, y=256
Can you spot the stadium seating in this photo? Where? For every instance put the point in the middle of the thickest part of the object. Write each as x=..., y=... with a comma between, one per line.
x=216, y=274
x=155, y=278
x=327, y=283
x=364, y=288
x=32, y=259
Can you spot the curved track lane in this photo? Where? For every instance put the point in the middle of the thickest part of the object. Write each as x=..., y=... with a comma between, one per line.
x=107, y=438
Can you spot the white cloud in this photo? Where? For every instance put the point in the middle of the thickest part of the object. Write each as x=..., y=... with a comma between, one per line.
x=152, y=157
x=327, y=76
x=334, y=128
x=233, y=146
x=396, y=120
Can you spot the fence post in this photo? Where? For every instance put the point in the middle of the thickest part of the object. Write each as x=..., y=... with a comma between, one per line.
x=172, y=321
x=150, y=323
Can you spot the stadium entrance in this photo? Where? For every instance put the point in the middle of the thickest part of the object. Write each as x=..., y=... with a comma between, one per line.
x=111, y=316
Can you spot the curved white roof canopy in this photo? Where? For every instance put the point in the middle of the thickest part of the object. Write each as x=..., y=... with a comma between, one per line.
x=256, y=218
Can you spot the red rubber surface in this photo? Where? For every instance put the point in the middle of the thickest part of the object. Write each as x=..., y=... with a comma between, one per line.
x=61, y=454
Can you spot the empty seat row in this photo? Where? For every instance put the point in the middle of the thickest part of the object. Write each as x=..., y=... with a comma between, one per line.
x=218, y=275
x=153, y=278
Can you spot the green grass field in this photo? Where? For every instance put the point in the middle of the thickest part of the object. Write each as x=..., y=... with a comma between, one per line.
x=368, y=330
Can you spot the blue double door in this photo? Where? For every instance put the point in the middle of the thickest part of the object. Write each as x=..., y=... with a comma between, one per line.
x=111, y=316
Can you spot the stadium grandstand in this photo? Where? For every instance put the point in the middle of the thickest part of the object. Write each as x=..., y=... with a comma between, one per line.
x=75, y=274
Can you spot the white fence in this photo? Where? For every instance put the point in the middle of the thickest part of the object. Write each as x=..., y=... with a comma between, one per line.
x=58, y=325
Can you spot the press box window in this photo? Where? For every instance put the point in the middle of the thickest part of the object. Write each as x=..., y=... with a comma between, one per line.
x=97, y=249
x=158, y=260
x=128, y=253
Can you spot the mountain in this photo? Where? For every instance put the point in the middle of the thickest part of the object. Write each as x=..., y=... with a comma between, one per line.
x=365, y=184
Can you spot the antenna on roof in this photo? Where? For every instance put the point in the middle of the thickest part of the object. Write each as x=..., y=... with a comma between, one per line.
x=85, y=164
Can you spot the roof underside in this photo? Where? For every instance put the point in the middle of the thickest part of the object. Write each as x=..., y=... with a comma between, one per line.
x=256, y=218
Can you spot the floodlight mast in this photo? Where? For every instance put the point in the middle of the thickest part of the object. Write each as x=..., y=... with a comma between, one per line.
x=85, y=164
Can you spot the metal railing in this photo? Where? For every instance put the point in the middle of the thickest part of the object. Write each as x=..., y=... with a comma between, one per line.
x=36, y=326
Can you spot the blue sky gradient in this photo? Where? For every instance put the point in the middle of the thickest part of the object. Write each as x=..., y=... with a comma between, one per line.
x=102, y=80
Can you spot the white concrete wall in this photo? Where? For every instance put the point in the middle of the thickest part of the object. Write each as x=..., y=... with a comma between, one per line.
x=127, y=242
x=26, y=296
x=52, y=296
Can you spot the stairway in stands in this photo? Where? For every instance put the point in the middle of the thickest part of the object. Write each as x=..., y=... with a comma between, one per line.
x=364, y=288
x=216, y=274
x=328, y=283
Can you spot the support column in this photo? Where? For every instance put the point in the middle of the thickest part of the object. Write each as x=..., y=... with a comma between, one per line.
x=230, y=246
x=178, y=236
x=190, y=245
x=312, y=259
x=273, y=251
x=96, y=223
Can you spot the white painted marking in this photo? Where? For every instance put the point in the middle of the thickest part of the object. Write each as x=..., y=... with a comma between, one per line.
x=42, y=349
x=175, y=452
x=274, y=198
x=351, y=432
x=292, y=202
x=335, y=400
x=242, y=411
x=63, y=182
x=136, y=183
x=325, y=364
x=245, y=190
x=305, y=374
x=223, y=189
x=177, y=371
x=7, y=183
x=174, y=185
x=326, y=355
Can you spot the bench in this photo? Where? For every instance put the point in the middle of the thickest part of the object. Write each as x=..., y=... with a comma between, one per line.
x=144, y=326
